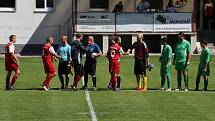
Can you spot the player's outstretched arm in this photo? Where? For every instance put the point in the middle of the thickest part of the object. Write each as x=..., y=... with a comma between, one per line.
x=99, y=53
x=128, y=52
x=188, y=58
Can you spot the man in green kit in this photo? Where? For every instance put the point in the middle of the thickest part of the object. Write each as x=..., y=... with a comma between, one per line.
x=203, y=69
x=165, y=69
x=182, y=60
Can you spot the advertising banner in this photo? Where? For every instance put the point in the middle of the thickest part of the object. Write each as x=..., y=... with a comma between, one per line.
x=95, y=22
x=172, y=22
x=134, y=22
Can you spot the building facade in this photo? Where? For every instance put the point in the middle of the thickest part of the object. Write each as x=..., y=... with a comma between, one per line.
x=35, y=20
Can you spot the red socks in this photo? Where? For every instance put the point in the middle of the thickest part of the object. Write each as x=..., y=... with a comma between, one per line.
x=13, y=80
x=114, y=79
x=77, y=78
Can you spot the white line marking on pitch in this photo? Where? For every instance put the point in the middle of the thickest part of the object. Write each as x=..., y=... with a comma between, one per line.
x=92, y=112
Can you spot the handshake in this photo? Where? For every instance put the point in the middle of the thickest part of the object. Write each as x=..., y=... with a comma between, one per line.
x=94, y=55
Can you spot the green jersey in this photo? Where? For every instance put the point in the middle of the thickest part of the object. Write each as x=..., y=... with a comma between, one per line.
x=166, y=55
x=205, y=56
x=181, y=50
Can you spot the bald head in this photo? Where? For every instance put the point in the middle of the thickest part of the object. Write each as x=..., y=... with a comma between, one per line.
x=90, y=40
x=139, y=37
x=64, y=39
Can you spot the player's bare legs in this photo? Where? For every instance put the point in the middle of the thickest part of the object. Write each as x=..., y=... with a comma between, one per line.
x=8, y=80
x=16, y=75
x=185, y=74
x=179, y=78
x=139, y=86
x=205, y=82
x=114, y=80
x=144, y=78
x=46, y=82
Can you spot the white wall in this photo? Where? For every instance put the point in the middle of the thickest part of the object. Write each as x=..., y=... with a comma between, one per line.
x=32, y=27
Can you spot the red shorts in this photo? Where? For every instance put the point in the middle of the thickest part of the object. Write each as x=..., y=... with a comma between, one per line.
x=49, y=66
x=11, y=67
x=114, y=66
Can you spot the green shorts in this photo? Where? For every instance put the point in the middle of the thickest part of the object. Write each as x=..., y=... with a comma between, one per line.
x=165, y=71
x=201, y=70
x=181, y=66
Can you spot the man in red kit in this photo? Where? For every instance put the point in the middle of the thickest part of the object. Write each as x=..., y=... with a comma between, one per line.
x=113, y=56
x=11, y=63
x=47, y=55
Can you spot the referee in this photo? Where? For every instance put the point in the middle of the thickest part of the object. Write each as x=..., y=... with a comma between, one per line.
x=93, y=51
x=64, y=68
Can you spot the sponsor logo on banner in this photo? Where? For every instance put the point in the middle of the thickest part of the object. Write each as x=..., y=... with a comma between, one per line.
x=172, y=22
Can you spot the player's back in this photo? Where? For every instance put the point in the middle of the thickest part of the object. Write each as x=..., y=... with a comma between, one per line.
x=114, y=52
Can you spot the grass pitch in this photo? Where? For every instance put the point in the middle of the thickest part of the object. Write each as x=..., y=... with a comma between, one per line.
x=30, y=103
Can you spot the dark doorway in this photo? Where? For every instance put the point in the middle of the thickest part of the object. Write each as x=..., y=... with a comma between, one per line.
x=153, y=43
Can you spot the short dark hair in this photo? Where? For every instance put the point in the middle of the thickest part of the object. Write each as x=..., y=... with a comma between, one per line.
x=181, y=33
x=204, y=42
x=48, y=39
x=116, y=39
x=164, y=39
x=11, y=37
x=79, y=35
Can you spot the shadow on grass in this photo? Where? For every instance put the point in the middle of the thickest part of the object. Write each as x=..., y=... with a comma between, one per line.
x=101, y=89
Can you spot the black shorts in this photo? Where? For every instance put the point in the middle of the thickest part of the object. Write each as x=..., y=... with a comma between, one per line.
x=78, y=68
x=90, y=67
x=139, y=67
x=64, y=68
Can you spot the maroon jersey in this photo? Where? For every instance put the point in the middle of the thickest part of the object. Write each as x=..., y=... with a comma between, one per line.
x=210, y=11
x=114, y=52
x=10, y=64
x=141, y=50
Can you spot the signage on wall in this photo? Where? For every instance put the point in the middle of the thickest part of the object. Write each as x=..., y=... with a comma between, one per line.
x=172, y=22
x=95, y=22
x=134, y=22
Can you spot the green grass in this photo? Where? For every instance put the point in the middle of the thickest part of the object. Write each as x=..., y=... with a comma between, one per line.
x=29, y=102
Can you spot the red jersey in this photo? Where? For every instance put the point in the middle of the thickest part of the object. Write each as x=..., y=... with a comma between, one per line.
x=8, y=57
x=114, y=52
x=10, y=64
x=46, y=54
x=47, y=59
